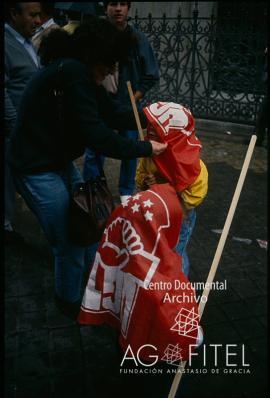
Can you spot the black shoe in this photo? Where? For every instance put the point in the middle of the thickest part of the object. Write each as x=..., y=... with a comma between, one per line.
x=67, y=308
x=13, y=238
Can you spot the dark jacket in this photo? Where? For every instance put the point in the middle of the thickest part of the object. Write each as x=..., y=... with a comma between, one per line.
x=141, y=69
x=41, y=143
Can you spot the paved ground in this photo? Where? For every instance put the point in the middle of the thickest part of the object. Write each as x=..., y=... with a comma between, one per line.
x=48, y=355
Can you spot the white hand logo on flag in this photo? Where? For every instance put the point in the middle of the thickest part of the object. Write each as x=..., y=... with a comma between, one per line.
x=112, y=286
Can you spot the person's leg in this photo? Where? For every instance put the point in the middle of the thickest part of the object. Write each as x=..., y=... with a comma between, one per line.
x=90, y=254
x=90, y=167
x=185, y=234
x=48, y=195
x=128, y=169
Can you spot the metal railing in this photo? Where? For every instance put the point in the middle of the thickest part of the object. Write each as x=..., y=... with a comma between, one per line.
x=212, y=65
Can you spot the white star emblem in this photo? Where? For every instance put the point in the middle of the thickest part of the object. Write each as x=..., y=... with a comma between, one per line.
x=135, y=207
x=148, y=216
x=125, y=202
x=148, y=203
x=137, y=196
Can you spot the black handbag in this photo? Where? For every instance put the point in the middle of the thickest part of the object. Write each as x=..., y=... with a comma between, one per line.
x=90, y=207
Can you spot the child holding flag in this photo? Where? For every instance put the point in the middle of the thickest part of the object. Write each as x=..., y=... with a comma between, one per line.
x=131, y=285
x=180, y=164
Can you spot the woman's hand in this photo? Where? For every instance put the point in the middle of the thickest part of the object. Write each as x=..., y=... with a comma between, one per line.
x=158, y=147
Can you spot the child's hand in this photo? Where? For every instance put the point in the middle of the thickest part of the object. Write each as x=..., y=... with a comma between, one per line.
x=150, y=179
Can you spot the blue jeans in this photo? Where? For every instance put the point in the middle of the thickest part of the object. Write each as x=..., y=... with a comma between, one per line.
x=127, y=169
x=185, y=234
x=48, y=195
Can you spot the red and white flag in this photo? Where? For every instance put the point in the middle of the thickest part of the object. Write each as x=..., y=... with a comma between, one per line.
x=175, y=125
x=135, y=268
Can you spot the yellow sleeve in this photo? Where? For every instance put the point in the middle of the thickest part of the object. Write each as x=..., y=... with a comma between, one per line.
x=146, y=166
x=195, y=193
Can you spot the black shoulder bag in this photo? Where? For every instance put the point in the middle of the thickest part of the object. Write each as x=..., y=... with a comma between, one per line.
x=90, y=207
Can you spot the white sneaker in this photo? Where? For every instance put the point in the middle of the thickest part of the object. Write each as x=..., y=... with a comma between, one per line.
x=124, y=198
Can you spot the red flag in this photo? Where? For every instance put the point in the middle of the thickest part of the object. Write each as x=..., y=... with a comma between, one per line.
x=135, y=269
x=175, y=125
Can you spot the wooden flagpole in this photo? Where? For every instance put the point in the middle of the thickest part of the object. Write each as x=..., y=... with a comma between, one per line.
x=219, y=250
x=133, y=102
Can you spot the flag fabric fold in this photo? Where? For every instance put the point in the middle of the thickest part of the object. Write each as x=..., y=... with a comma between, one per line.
x=175, y=125
x=132, y=282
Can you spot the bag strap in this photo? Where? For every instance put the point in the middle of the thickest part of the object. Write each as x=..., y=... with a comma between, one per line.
x=58, y=93
x=99, y=165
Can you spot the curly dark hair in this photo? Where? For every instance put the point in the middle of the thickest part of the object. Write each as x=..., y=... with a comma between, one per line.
x=106, y=3
x=95, y=41
x=55, y=44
